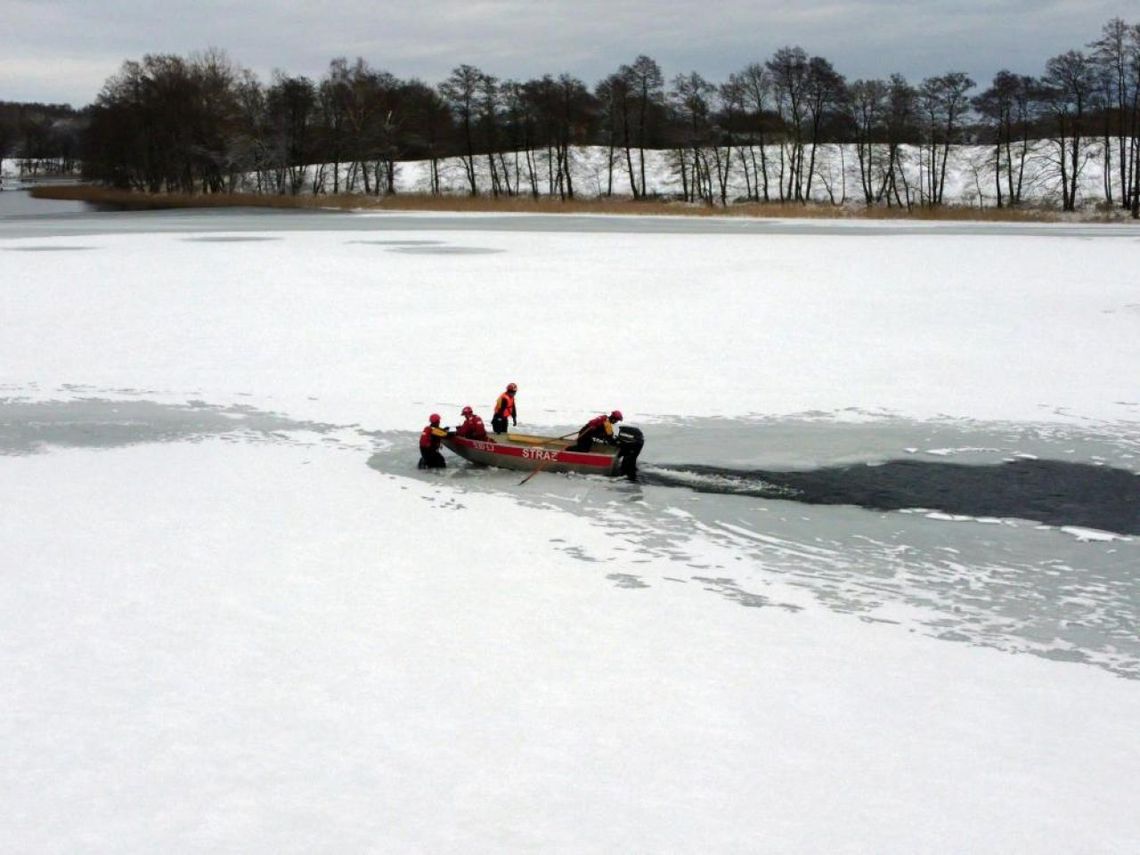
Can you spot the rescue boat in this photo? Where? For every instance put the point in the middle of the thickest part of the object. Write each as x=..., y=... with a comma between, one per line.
x=527, y=453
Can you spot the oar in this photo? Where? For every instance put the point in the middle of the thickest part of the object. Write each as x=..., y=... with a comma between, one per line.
x=540, y=467
x=544, y=463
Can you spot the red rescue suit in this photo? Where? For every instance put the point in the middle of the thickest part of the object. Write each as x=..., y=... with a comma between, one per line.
x=472, y=428
x=430, y=457
x=599, y=427
x=431, y=436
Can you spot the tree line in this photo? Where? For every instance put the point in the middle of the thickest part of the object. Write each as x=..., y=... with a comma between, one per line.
x=44, y=137
x=204, y=124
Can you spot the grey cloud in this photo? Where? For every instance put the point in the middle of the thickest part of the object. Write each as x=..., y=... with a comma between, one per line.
x=64, y=50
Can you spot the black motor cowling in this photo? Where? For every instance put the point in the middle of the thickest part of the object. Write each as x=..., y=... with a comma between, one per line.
x=630, y=441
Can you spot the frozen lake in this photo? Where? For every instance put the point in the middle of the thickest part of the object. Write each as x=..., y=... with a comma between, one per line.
x=887, y=531
x=26, y=217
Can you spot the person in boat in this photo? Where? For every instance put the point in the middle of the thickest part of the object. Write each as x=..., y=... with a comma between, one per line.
x=600, y=428
x=430, y=439
x=472, y=427
x=504, y=409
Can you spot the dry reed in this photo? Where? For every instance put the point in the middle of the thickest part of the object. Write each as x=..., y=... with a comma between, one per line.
x=134, y=200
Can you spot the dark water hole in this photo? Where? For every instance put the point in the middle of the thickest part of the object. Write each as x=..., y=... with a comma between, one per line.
x=1048, y=491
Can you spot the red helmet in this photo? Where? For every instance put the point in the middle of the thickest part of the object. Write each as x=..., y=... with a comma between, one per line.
x=467, y=411
x=511, y=387
x=615, y=416
x=434, y=418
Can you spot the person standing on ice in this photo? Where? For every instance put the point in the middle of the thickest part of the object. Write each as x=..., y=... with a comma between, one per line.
x=472, y=427
x=504, y=409
x=433, y=434
x=599, y=428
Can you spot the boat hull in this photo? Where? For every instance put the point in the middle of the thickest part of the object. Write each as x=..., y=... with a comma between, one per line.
x=527, y=453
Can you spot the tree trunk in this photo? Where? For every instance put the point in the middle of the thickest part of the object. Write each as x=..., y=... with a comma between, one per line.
x=532, y=175
x=1107, y=160
x=997, y=170
x=747, y=176
x=610, y=169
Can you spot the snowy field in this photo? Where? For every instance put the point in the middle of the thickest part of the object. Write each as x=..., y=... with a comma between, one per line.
x=237, y=618
x=969, y=174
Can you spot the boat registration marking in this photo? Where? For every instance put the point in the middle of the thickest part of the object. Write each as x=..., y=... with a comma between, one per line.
x=539, y=454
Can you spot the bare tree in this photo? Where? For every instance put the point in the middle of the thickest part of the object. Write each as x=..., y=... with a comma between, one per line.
x=789, y=74
x=427, y=126
x=757, y=86
x=292, y=108
x=867, y=108
x=1134, y=116
x=461, y=92
x=901, y=129
x=488, y=105
x=577, y=108
x=690, y=98
x=646, y=86
x=250, y=140
x=824, y=91
x=1006, y=106
x=332, y=99
x=611, y=95
x=943, y=102
x=518, y=129
x=1112, y=55
x=1068, y=88
x=734, y=110
x=167, y=123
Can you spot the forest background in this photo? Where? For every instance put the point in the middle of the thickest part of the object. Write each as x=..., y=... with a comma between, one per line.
x=787, y=129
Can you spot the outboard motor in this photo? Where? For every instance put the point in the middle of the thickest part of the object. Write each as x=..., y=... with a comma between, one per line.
x=630, y=441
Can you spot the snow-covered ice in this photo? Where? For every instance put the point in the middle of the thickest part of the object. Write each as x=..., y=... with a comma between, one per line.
x=236, y=618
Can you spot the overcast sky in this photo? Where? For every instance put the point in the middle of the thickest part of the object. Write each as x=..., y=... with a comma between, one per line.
x=62, y=51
